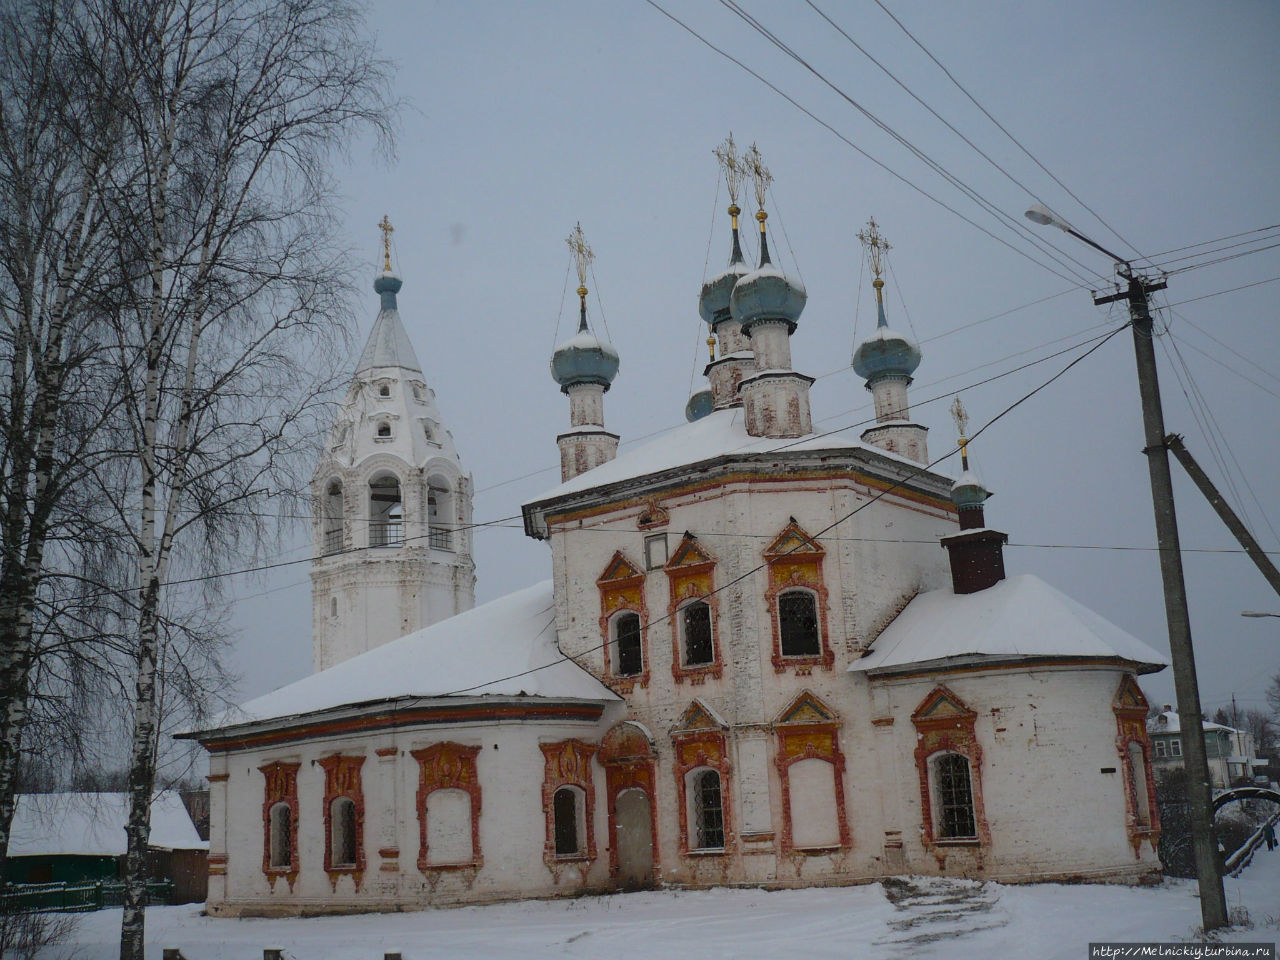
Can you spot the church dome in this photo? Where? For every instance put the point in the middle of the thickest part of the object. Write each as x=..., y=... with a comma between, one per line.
x=713, y=302
x=584, y=358
x=968, y=491
x=700, y=404
x=767, y=294
x=885, y=353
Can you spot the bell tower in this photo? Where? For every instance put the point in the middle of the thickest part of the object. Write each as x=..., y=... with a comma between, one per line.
x=392, y=504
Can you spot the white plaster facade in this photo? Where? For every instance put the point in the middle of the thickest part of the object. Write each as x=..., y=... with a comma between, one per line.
x=694, y=735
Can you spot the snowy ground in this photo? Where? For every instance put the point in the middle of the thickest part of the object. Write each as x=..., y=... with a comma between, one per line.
x=910, y=917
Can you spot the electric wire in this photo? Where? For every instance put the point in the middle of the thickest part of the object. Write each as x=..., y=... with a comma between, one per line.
x=1205, y=243
x=879, y=163
x=1210, y=263
x=1019, y=229
x=1016, y=142
x=1160, y=264
x=1218, y=293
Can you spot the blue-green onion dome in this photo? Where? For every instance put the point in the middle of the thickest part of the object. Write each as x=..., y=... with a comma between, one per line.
x=387, y=285
x=968, y=491
x=767, y=294
x=700, y=404
x=886, y=352
x=713, y=302
x=584, y=358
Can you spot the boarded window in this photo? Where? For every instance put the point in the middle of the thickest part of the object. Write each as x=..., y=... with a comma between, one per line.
x=798, y=624
x=812, y=792
x=565, y=806
x=626, y=635
x=708, y=813
x=281, y=836
x=449, y=827
x=342, y=821
x=954, y=797
x=695, y=623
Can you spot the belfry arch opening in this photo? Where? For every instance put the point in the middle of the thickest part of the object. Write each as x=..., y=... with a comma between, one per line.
x=386, y=512
x=333, y=517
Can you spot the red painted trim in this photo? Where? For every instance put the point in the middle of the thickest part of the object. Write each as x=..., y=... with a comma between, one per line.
x=568, y=764
x=281, y=787
x=691, y=576
x=621, y=588
x=1130, y=708
x=791, y=569
x=809, y=741
x=389, y=717
x=448, y=766
x=628, y=759
x=948, y=732
x=342, y=779
x=695, y=749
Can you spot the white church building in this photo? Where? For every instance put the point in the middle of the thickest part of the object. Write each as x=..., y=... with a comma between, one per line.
x=728, y=678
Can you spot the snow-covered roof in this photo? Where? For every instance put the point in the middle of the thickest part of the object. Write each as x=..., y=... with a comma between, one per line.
x=486, y=651
x=715, y=435
x=92, y=824
x=1168, y=721
x=1021, y=617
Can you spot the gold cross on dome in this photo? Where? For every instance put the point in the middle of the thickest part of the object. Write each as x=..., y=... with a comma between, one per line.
x=877, y=246
x=734, y=167
x=387, y=229
x=582, y=254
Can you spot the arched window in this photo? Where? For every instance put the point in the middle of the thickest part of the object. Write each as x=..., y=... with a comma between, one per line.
x=386, y=513
x=953, y=793
x=333, y=518
x=342, y=823
x=628, y=657
x=384, y=430
x=333, y=606
x=281, y=836
x=695, y=631
x=384, y=390
x=706, y=812
x=798, y=624
x=566, y=808
x=1136, y=771
x=439, y=522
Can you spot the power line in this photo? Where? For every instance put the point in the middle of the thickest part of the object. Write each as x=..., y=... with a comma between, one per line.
x=1000, y=126
x=841, y=137
x=1243, y=286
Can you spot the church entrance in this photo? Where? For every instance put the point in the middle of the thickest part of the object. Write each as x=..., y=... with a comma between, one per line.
x=634, y=838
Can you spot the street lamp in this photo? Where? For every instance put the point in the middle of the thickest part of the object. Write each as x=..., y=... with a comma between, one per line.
x=1213, y=903
x=1257, y=613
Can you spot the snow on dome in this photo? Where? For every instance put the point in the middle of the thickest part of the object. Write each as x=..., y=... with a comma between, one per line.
x=584, y=358
x=467, y=655
x=388, y=344
x=969, y=490
x=767, y=294
x=886, y=352
x=713, y=302
x=92, y=824
x=700, y=404
x=1019, y=618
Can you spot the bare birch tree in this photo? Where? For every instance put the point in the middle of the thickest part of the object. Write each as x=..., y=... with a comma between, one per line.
x=59, y=134
x=233, y=285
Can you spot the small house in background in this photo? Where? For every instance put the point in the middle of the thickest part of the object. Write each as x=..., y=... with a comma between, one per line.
x=74, y=837
x=1232, y=755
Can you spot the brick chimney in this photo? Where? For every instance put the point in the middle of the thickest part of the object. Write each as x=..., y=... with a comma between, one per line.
x=977, y=552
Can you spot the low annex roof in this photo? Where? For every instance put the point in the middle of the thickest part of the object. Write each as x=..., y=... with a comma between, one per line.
x=715, y=435
x=1168, y=721
x=92, y=824
x=474, y=654
x=1019, y=618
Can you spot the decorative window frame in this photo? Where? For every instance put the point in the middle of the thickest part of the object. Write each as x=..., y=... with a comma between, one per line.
x=448, y=766
x=629, y=760
x=621, y=588
x=945, y=724
x=794, y=560
x=342, y=779
x=1130, y=708
x=691, y=578
x=567, y=763
x=281, y=787
x=699, y=742
x=809, y=730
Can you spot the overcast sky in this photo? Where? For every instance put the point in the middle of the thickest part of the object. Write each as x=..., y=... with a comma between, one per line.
x=1161, y=117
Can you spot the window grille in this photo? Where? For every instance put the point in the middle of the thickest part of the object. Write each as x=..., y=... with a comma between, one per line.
x=708, y=812
x=696, y=622
x=630, y=659
x=955, y=798
x=798, y=624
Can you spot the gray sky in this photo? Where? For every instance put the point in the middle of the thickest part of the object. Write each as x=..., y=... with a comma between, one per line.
x=1160, y=116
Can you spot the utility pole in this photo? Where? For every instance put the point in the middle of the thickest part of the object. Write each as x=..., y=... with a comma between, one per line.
x=1213, y=902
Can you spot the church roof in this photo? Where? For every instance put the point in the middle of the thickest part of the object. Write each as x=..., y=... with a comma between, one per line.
x=388, y=344
x=474, y=654
x=1019, y=618
x=708, y=438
